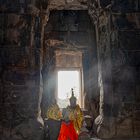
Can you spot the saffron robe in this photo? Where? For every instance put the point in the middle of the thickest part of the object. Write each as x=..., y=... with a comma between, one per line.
x=67, y=131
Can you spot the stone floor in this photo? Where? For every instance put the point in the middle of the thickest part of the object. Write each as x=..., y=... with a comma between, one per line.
x=124, y=139
x=117, y=139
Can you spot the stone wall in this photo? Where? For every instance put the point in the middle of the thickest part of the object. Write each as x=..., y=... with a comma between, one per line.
x=117, y=33
x=20, y=71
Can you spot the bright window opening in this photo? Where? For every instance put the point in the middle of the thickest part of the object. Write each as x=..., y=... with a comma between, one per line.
x=66, y=81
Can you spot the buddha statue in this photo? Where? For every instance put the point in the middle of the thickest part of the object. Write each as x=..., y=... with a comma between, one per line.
x=75, y=112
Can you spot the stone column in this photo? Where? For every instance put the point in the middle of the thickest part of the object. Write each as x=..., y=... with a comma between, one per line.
x=101, y=19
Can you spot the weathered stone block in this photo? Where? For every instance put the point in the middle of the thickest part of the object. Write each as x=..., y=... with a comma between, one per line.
x=125, y=128
x=29, y=130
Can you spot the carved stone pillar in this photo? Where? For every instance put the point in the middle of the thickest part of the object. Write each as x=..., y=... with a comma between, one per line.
x=105, y=120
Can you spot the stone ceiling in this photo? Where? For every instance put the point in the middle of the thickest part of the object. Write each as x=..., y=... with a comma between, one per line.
x=68, y=4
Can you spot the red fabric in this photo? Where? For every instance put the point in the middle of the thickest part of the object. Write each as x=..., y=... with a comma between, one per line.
x=67, y=132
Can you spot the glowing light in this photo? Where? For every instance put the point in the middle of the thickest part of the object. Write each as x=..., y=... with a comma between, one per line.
x=66, y=81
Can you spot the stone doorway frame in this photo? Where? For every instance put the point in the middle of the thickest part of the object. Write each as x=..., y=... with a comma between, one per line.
x=94, y=15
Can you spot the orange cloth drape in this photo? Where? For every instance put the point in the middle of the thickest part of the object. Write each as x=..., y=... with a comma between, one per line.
x=67, y=132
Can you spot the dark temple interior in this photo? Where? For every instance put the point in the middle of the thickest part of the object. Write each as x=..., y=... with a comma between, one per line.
x=48, y=47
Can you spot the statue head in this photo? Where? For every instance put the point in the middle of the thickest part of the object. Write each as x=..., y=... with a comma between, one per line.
x=72, y=99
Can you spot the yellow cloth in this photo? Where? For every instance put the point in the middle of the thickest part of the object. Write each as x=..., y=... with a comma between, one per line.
x=76, y=115
x=54, y=112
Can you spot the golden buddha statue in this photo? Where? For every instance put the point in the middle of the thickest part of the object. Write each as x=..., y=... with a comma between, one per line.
x=75, y=113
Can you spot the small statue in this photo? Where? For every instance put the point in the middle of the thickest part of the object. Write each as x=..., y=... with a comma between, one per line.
x=75, y=112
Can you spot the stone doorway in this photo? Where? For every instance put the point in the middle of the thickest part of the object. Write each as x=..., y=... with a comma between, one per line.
x=70, y=43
